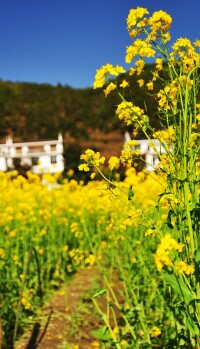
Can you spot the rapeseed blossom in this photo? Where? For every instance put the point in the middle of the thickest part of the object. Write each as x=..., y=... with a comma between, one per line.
x=129, y=113
x=113, y=163
x=109, y=88
x=134, y=20
x=104, y=73
x=140, y=82
x=91, y=159
x=160, y=23
x=124, y=84
x=139, y=48
x=140, y=63
x=155, y=332
x=183, y=267
x=163, y=253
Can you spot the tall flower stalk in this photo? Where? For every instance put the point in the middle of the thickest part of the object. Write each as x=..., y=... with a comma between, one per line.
x=177, y=255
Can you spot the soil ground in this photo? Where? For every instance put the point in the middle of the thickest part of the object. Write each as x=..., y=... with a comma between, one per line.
x=63, y=323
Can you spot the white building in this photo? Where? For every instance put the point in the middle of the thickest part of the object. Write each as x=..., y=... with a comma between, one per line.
x=149, y=150
x=42, y=156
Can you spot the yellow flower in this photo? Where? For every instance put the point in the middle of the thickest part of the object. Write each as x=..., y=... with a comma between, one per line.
x=92, y=159
x=131, y=143
x=129, y=113
x=90, y=260
x=198, y=118
x=124, y=84
x=105, y=72
x=159, y=63
x=2, y=253
x=109, y=88
x=140, y=63
x=140, y=82
x=126, y=156
x=184, y=267
x=26, y=303
x=149, y=85
x=160, y=21
x=134, y=17
x=92, y=175
x=115, y=330
x=197, y=43
x=123, y=342
x=83, y=167
x=151, y=232
x=141, y=48
x=155, y=332
x=162, y=256
x=70, y=172
x=113, y=163
x=132, y=71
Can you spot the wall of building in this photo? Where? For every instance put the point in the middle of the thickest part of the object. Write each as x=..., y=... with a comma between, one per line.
x=42, y=156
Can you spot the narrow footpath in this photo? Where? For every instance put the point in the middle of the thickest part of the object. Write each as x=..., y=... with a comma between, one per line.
x=61, y=324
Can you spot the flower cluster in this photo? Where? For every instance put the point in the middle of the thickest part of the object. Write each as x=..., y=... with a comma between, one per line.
x=171, y=94
x=91, y=159
x=139, y=66
x=184, y=54
x=113, y=163
x=166, y=136
x=139, y=48
x=183, y=267
x=135, y=21
x=160, y=23
x=104, y=74
x=155, y=26
x=155, y=332
x=162, y=256
x=130, y=113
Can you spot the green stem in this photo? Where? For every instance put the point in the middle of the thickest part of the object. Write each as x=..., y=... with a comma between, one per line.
x=145, y=217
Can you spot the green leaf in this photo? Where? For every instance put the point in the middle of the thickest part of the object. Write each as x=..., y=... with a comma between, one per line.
x=197, y=256
x=192, y=327
x=101, y=333
x=192, y=206
x=130, y=193
x=100, y=292
x=179, y=287
x=169, y=221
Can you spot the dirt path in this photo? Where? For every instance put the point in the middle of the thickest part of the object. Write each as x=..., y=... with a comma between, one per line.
x=60, y=325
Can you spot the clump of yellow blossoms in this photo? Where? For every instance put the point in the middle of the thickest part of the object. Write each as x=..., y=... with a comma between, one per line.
x=155, y=332
x=167, y=136
x=105, y=72
x=163, y=255
x=183, y=267
x=130, y=114
x=113, y=163
x=139, y=48
x=184, y=54
x=91, y=159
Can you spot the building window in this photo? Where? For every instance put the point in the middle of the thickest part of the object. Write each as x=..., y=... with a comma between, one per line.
x=35, y=161
x=53, y=160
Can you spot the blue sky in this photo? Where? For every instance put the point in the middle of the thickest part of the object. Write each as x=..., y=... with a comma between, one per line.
x=65, y=41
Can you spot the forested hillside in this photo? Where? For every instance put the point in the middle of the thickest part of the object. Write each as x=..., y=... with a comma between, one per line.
x=30, y=111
